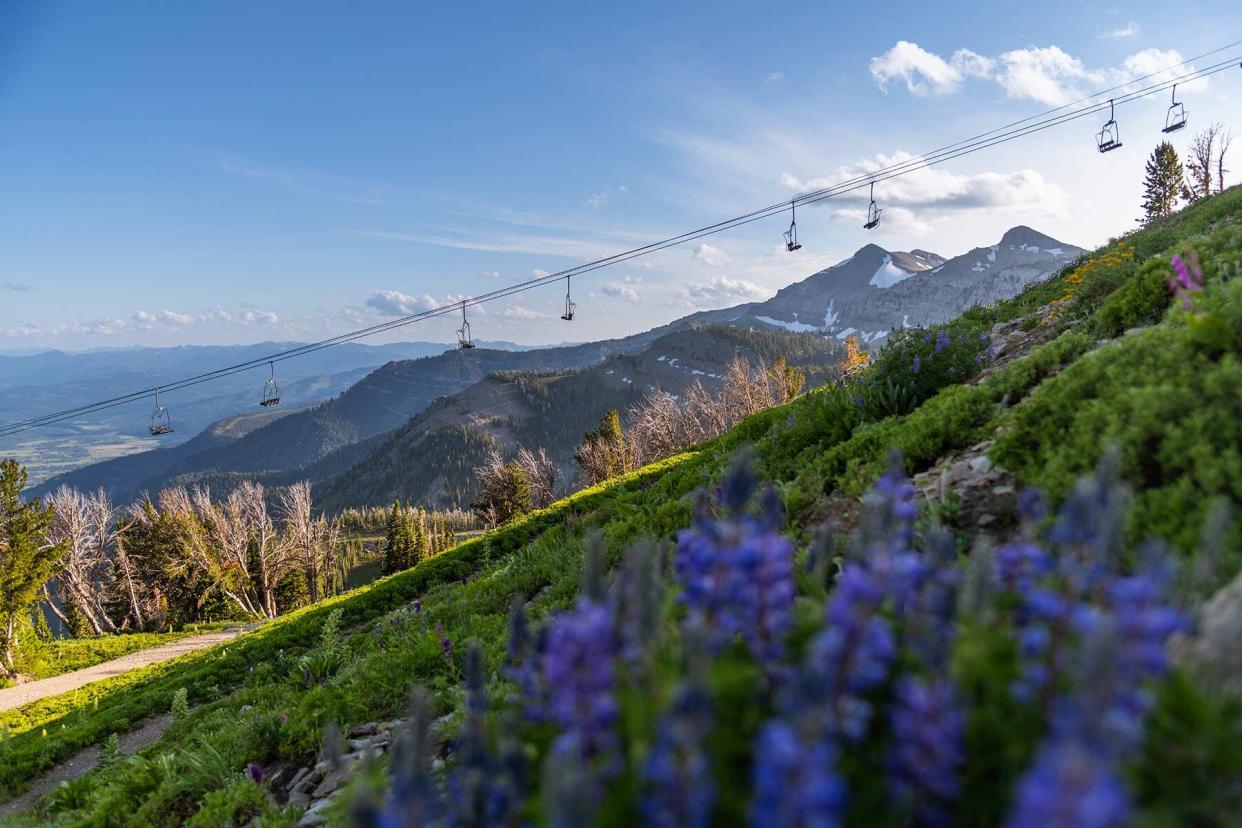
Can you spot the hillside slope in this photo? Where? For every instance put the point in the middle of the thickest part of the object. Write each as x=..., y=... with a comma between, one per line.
x=430, y=460
x=1063, y=350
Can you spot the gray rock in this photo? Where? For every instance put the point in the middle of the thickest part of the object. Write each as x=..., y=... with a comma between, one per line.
x=1215, y=650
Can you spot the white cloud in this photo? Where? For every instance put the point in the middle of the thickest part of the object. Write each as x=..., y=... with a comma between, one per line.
x=894, y=221
x=940, y=189
x=719, y=291
x=521, y=312
x=396, y=303
x=1046, y=74
x=622, y=290
x=709, y=256
x=774, y=77
x=1129, y=30
x=175, y=318
x=597, y=200
x=923, y=72
x=492, y=274
x=539, y=274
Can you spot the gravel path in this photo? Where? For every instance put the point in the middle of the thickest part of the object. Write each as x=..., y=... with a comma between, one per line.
x=83, y=762
x=23, y=694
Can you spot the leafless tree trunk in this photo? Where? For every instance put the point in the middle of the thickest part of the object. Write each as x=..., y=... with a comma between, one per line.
x=305, y=536
x=543, y=475
x=1226, y=138
x=84, y=524
x=1199, y=166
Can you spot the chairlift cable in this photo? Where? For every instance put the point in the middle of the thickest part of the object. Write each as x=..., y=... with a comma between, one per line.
x=958, y=149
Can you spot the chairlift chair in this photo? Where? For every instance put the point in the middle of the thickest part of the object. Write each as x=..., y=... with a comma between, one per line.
x=1109, y=137
x=791, y=235
x=161, y=423
x=570, y=305
x=271, y=393
x=463, y=333
x=1175, y=119
x=873, y=212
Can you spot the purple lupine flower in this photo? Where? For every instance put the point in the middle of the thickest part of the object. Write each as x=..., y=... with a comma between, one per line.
x=916, y=365
x=679, y=790
x=580, y=676
x=1068, y=787
x=927, y=337
x=469, y=782
x=795, y=786
x=446, y=643
x=928, y=752
x=736, y=573
x=255, y=771
x=1187, y=279
x=850, y=656
x=412, y=800
x=942, y=340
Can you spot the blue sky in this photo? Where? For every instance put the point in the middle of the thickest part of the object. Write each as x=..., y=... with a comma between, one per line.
x=234, y=172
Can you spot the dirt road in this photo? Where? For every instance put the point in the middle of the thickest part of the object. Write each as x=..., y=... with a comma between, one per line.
x=22, y=694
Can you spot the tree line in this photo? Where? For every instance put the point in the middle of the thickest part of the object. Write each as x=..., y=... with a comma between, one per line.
x=1167, y=180
x=657, y=426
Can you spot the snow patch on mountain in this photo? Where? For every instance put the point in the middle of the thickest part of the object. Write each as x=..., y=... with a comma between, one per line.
x=796, y=327
x=888, y=274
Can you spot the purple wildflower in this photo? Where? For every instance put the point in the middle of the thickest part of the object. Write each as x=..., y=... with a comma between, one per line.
x=737, y=574
x=795, y=786
x=942, y=340
x=851, y=655
x=916, y=365
x=677, y=772
x=1187, y=279
x=928, y=753
x=579, y=672
x=1068, y=787
x=255, y=771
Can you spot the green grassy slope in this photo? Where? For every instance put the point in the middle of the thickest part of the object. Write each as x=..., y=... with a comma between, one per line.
x=1054, y=409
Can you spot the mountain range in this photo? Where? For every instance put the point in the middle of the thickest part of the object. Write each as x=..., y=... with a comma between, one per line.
x=413, y=428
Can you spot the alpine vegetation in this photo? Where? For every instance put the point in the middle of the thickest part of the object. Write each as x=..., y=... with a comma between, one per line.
x=856, y=696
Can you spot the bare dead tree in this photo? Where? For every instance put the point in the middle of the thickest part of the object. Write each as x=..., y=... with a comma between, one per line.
x=272, y=556
x=1199, y=166
x=543, y=475
x=306, y=537
x=206, y=528
x=1226, y=138
x=83, y=525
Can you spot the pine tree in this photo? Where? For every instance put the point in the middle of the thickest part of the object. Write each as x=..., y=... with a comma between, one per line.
x=398, y=540
x=1164, y=182
x=26, y=561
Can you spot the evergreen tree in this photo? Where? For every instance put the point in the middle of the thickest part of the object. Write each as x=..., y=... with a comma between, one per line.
x=1164, y=182
x=399, y=540
x=26, y=561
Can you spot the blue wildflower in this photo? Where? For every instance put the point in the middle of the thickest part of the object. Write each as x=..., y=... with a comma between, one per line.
x=679, y=791
x=928, y=750
x=578, y=670
x=795, y=786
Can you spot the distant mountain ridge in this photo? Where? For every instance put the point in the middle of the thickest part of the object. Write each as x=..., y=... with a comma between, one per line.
x=869, y=294
x=876, y=290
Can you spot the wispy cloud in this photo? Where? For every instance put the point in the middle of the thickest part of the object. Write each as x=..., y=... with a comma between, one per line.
x=306, y=182
x=16, y=287
x=774, y=77
x=598, y=200
x=1129, y=30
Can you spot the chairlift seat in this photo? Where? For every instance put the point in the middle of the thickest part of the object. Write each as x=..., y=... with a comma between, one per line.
x=1175, y=119
x=873, y=217
x=270, y=401
x=1108, y=138
x=792, y=246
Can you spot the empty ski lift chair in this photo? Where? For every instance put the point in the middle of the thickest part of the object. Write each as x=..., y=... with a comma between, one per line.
x=1175, y=119
x=271, y=393
x=463, y=333
x=161, y=423
x=791, y=235
x=1109, y=137
x=873, y=212
x=570, y=305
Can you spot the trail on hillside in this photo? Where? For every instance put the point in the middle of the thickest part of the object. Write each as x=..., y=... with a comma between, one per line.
x=83, y=762
x=23, y=694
